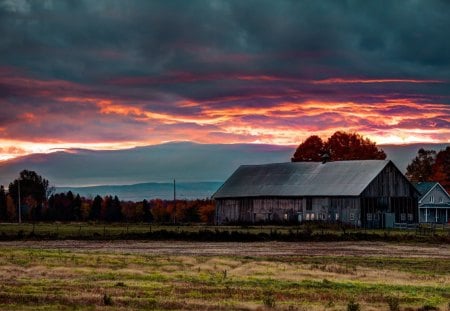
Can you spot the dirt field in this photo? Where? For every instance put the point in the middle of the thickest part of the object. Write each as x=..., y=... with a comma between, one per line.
x=267, y=249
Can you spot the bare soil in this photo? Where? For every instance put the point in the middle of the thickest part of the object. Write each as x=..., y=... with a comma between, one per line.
x=265, y=249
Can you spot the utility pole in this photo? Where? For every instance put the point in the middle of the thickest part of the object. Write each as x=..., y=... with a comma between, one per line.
x=20, y=207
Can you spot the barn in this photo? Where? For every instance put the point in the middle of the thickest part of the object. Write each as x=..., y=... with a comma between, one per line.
x=365, y=193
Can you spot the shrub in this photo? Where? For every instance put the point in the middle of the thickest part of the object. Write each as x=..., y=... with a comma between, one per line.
x=107, y=300
x=393, y=303
x=269, y=300
x=353, y=306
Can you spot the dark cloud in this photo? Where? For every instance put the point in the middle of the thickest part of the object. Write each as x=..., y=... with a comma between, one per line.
x=111, y=70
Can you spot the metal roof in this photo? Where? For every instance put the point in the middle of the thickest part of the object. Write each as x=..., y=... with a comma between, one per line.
x=340, y=178
x=424, y=186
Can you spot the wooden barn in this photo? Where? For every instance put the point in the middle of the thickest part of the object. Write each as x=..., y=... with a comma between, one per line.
x=367, y=193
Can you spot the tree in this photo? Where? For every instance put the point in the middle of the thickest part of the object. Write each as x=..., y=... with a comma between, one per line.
x=148, y=217
x=441, y=168
x=33, y=192
x=341, y=146
x=96, y=208
x=310, y=150
x=421, y=167
x=3, y=210
x=207, y=212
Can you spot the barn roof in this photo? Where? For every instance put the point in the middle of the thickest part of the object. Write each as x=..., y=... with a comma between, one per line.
x=340, y=178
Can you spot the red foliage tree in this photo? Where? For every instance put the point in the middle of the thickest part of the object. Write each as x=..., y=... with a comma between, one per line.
x=441, y=168
x=310, y=150
x=341, y=146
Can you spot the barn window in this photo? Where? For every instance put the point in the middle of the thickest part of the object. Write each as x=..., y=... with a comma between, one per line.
x=403, y=217
x=308, y=204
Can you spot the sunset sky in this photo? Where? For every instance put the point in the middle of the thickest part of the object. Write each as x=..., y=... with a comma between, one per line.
x=117, y=74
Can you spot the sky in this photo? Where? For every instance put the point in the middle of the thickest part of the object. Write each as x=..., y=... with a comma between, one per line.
x=117, y=74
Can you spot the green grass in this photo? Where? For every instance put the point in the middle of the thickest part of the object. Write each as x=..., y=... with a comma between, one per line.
x=46, y=279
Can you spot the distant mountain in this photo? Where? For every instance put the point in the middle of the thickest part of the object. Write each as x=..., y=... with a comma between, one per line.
x=139, y=192
x=184, y=161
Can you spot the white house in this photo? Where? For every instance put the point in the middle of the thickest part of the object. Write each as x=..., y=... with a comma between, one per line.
x=434, y=204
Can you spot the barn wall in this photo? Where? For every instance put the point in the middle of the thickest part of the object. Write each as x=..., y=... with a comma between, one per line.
x=389, y=193
x=389, y=183
x=251, y=210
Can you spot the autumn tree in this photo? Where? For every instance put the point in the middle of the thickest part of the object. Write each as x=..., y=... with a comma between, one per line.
x=441, y=168
x=33, y=192
x=310, y=150
x=421, y=167
x=341, y=146
x=207, y=212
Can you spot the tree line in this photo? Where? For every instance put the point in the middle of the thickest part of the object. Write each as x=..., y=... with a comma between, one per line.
x=39, y=203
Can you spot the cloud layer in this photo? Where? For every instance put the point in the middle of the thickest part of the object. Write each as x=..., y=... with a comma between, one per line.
x=113, y=74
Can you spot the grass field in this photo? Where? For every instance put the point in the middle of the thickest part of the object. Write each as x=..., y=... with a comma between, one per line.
x=128, y=275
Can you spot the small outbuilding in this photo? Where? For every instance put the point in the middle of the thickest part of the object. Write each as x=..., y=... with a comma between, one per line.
x=434, y=203
x=366, y=193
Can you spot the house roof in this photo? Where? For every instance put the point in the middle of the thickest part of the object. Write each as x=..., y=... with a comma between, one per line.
x=340, y=178
x=424, y=187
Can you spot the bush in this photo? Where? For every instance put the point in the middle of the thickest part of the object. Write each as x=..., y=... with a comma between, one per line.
x=393, y=303
x=269, y=300
x=353, y=306
x=107, y=300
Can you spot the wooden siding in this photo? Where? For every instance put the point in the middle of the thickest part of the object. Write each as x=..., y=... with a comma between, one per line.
x=390, y=183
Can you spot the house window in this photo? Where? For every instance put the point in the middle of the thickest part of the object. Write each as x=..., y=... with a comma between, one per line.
x=337, y=216
x=322, y=216
x=312, y=216
x=441, y=200
x=402, y=217
x=285, y=216
x=410, y=217
x=369, y=216
x=432, y=199
x=352, y=216
x=307, y=216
